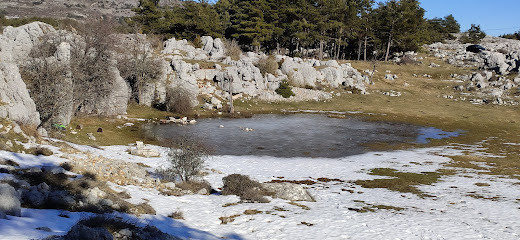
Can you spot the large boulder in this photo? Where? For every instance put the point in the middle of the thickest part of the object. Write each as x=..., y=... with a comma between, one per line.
x=15, y=101
x=17, y=42
x=497, y=62
x=288, y=191
x=9, y=201
x=300, y=74
x=213, y=47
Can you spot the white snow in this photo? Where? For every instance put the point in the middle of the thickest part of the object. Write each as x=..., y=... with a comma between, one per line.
x=450, y=214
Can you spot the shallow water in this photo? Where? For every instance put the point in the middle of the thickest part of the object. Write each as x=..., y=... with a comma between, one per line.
x=295, y=135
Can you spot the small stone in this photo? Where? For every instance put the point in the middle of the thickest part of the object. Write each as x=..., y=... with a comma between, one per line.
x=91, y=136
x=125, y=232
x=203, y=192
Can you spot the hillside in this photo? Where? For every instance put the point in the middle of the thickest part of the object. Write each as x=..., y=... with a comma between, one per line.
x=75, y=159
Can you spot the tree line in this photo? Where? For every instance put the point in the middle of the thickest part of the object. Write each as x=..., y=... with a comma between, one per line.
x=346, y=29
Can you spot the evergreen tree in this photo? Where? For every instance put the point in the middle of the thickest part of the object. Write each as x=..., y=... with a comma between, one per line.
x=473, y=35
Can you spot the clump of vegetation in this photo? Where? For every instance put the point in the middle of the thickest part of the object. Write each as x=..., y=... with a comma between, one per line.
x=197, y=42
x=245, y=188
x=178, y=100
x=285, y=89
x=267, y=65
x=233, y=50
x=138, y=65
x=177, y=215
x=187, y=158
x=194, y=186
x=515, y=36
x=473, y=35
x=401, y=181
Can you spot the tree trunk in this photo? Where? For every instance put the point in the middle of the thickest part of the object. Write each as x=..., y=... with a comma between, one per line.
x=388, y=46
x=320, y=54
x=339, y=49
x=359, y=50
x=231, y=108
x=365, y=49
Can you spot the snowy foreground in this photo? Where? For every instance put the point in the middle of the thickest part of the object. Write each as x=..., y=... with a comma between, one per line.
x=450, y=214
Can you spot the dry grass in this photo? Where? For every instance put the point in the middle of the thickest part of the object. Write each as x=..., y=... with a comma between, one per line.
x=422, y=104
x=304, y=207
x=226, y=220
x=252, y=212
x=368, y=207
x=402, y=181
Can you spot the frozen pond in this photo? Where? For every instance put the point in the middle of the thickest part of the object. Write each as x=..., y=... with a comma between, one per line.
x=296, y=135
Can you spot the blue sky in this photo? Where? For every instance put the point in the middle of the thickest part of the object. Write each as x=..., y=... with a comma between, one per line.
x=495, y=17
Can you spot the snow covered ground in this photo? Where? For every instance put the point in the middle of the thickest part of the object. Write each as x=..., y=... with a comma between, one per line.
x=449, y=214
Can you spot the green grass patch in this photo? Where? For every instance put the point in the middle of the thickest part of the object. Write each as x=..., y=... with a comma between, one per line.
x=402, y=181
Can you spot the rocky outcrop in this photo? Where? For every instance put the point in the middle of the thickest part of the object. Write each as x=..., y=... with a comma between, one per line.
x=15, y=102
x=501, y=55
x=213, y=47
x=17, y=42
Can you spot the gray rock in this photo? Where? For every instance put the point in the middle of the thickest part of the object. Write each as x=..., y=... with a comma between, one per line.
x=15, y=102
x=497, y=62
x=125, y=232
x=17, y=42
x=91, y=136
x=288, y=191
x=9, y=201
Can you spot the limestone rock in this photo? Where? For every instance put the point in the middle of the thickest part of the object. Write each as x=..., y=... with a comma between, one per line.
x=17, y=42
x=288, y=191
x=15, y=102
x=9, y=201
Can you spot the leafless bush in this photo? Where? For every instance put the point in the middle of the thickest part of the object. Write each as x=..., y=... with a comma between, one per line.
x=138, y=65
x=61, y=86
x=267, y=65
x=233, y=50
x=176, y=215
x=49, y=81
x=245, y=188
x=187, y=158
x=178, y=100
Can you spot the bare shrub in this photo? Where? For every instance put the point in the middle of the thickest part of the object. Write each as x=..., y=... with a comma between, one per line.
x=245, y=188
x=138, y=65
x=267, y=65
x=61, y=87
x=91, y=63
x=187, y=158
x=176, y=215
x=49, y=82
x=233, y=50
x=178, y=100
